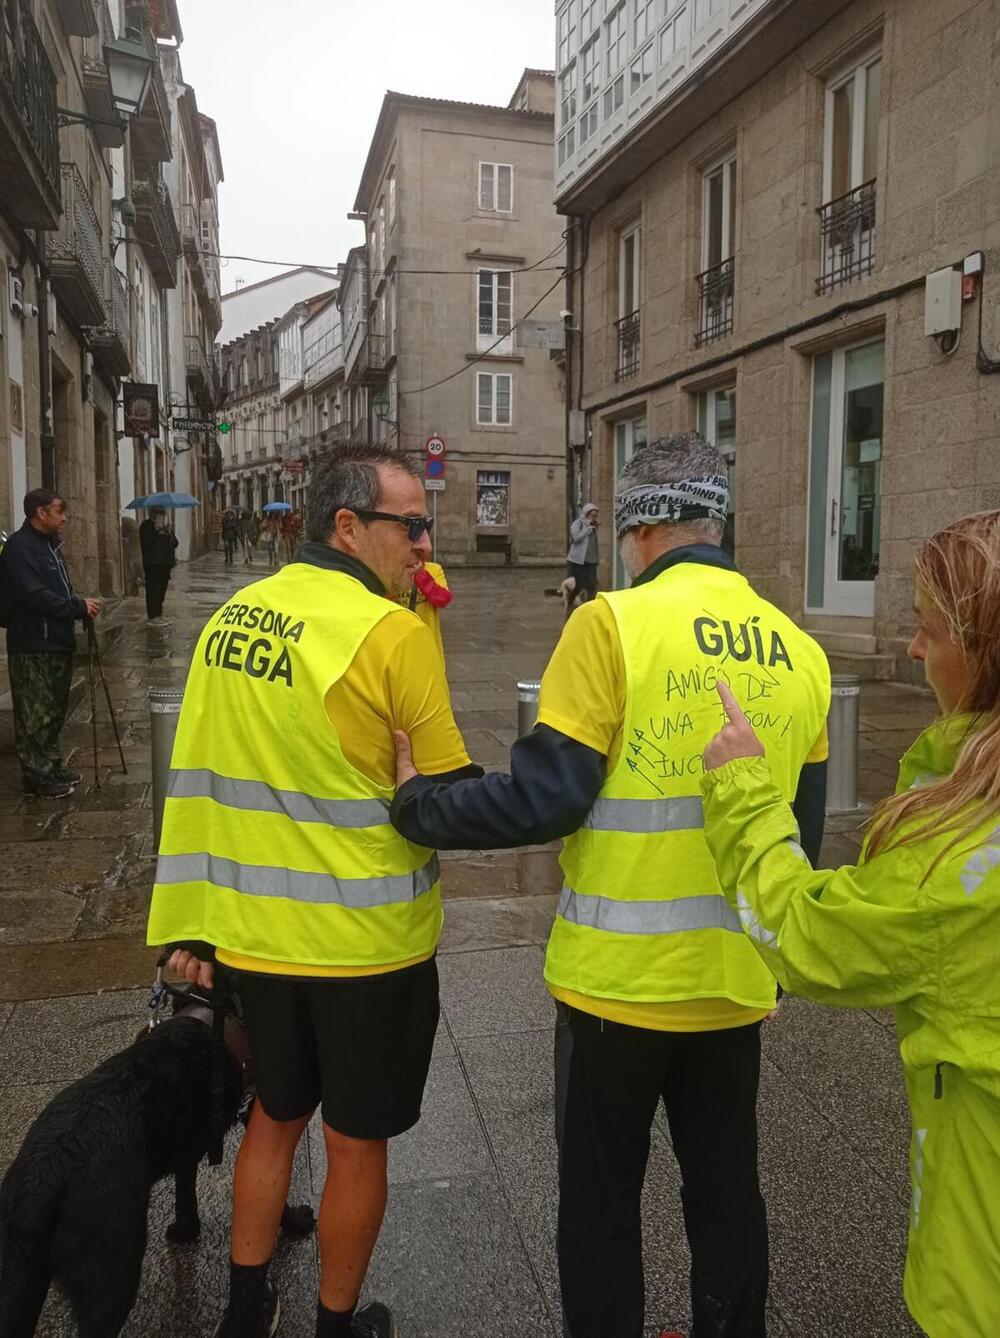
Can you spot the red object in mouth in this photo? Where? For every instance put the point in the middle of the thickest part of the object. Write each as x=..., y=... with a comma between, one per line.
x=435, y=594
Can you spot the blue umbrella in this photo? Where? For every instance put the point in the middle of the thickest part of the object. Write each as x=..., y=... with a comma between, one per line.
x=136, y=504
x=170, y=501
x=278, y=506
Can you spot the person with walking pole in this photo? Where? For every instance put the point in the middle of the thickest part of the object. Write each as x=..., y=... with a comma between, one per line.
x=39, y=609
x=914, y=925
x=658, y=996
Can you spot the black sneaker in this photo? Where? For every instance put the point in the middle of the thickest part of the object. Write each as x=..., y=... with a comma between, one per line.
x=266, y=1325
x=67, y=776
x=47, y=787
x=374, y=1320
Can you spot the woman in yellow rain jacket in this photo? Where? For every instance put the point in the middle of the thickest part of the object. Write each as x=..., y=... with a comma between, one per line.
x=916, y=923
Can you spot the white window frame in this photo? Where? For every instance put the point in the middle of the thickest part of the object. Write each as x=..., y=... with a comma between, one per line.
x=590, y=18
x=493, y=420
x=858, y=75
x=616, y=43
x=587, y=124
x=702, y=11
x=590, y=56
x=486, y=483
x=488, y=339
x=390, y=190
x=628, y=437
x=643, y=21
x=493, y=192
x=671, y=31
x=614, y=96
x=644, y=61
x=566, y=33
x=634, y=230
x=567, y=143
x=727, y=167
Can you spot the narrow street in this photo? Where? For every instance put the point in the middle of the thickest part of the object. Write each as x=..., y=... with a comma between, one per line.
x=469, y=1241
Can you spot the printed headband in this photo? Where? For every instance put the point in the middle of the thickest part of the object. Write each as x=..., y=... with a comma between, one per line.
x=659, y=503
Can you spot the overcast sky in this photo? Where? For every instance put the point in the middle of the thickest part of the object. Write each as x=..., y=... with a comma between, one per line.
x=296, y=86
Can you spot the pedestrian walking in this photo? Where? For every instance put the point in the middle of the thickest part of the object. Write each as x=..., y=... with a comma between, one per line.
x=230, y=536
x=583, y=555
x=158, y=544
x=427, y=596
x=658, y=996
x=291, y=532
x=272, y=536
x=915, y=924
x=246, y=536
x=39, y=610
x=216, y=525
x=276, y=852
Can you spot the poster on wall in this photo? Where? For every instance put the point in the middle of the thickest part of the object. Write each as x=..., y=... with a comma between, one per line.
x=142, y=409
x=493, y=498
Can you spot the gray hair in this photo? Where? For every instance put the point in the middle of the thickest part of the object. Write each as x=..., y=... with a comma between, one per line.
x=348, y=479
x=672, y=459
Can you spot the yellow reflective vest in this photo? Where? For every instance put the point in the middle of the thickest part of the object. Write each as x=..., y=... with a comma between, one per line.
x=641, y=916
x=916, y=926
x=273, y=845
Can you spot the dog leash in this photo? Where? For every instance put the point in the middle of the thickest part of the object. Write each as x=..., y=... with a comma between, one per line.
x=215, y=1001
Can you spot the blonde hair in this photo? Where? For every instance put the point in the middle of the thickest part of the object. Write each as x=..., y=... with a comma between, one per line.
x=958, y=570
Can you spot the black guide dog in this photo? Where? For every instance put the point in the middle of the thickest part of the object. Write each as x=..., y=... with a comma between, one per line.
x=75, y=1201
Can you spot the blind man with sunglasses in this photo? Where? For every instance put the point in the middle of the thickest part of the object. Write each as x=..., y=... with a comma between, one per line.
x=278, y=861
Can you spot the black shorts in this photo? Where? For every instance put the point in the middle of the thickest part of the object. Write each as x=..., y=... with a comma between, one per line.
x=360, y=1045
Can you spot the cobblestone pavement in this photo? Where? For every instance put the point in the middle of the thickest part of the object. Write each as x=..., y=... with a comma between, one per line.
x=468, y=1244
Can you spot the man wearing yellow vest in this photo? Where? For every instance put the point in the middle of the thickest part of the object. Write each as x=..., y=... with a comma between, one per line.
x=277, y=852
x=657, y=995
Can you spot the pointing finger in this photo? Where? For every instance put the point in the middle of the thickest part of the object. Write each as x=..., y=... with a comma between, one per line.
x=732, y=708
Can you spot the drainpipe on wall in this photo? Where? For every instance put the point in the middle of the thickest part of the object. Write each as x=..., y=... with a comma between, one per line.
x=46, y=432
x=567, y=325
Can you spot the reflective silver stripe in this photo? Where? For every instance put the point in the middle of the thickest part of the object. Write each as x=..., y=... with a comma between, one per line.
x=259, y=797
x=321, y=889
x=648, y=917
x=646, y=815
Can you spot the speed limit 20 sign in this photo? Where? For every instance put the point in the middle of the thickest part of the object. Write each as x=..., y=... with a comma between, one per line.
x=434, y=451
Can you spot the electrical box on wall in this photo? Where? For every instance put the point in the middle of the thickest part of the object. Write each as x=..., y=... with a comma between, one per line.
x=943, y=302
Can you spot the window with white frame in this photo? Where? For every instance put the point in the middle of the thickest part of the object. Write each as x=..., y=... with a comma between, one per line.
x=717, y=424
x=391, y=314
x=641, y=69
x=614, y=96
x=615, y=40
x=674, y=34
x=588, y=123
x=493, y=498
x=496, y=187
x=567, y=95
x=380, y=224
x=390, y=190
x=589, y=70
x=629, y=270
x=643, y=21
x=590, y=17
x=493, y=307
x=702, y=11
x=852, y=118
x=718, y=213
x=567, y=144
x=494, y=394
x=567, y=33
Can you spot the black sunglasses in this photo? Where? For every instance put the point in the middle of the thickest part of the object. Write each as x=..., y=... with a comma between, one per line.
x=415, y=525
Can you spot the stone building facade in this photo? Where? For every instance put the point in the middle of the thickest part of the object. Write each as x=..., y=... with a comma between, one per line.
x=251, y=449
x=756, y=209
x=462, y=240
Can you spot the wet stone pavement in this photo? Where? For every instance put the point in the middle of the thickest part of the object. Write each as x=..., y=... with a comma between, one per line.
x=468, y=1244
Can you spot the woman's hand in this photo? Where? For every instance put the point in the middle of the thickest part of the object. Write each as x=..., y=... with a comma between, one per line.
x=736, y=738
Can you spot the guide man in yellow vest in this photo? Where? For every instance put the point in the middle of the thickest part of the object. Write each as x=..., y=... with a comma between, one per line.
x=278, y=852
x=657, y=995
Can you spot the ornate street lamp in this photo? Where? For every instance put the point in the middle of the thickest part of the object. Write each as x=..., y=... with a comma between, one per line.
x=130, y=73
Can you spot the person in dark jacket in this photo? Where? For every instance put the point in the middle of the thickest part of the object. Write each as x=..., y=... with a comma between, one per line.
x=158, y=544
x=230, y=536
x=40, y=609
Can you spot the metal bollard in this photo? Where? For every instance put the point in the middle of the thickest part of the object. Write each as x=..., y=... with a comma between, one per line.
x=164, y=710
x=842, y=773
x=527, y=706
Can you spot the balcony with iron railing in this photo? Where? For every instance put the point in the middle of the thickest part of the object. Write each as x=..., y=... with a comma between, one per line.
x=76, y=252
x=156, y=227
x=371, y=367
x=202, y=372
x=847, y=232
x=29, y=143
x=715, y=303
x=110, y=341
x=627, y=332
x=328, y=438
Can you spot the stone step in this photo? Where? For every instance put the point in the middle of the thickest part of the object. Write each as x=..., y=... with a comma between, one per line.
x=844, y=643
x=869, y=668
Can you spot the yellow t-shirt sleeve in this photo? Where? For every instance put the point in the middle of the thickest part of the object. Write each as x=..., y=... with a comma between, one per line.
x=583, y=689
x=820, y=750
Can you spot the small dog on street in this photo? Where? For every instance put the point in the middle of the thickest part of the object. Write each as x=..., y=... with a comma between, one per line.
x=74, y=1203
x=570, y=595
